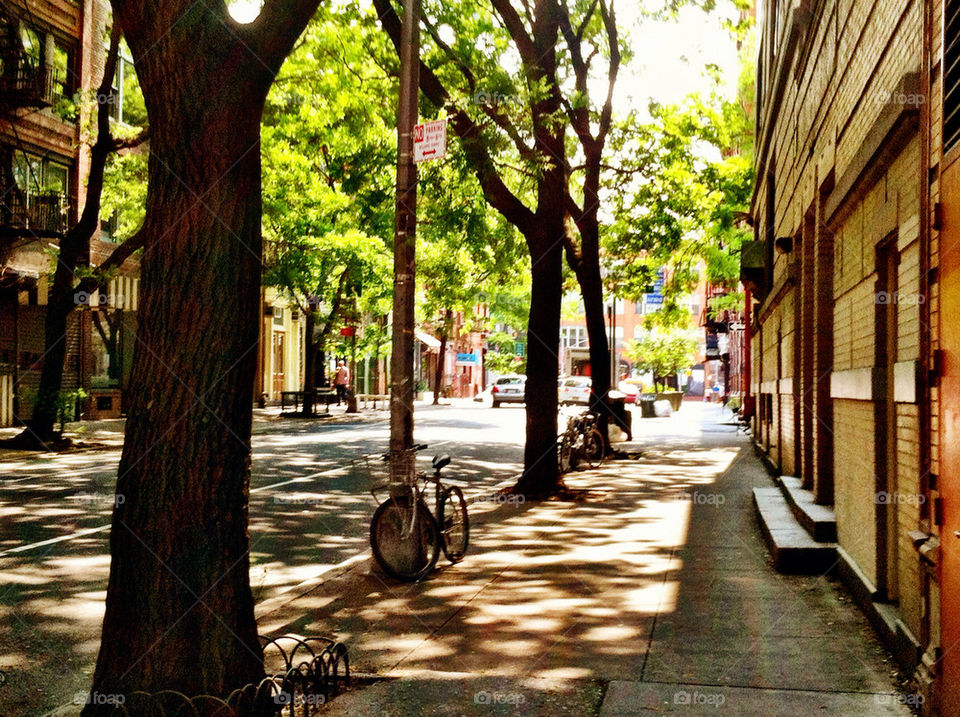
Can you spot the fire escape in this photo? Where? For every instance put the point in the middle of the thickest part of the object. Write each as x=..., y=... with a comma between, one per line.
x=26, y=212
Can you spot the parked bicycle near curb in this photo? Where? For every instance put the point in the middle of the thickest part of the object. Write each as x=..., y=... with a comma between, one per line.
x=405, y=536
x=581, y=441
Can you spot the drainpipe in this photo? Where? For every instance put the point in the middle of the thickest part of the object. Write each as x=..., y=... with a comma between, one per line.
x=747, y=301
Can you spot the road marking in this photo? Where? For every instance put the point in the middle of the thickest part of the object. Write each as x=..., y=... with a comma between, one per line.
x=91, y=531
x=51, y=541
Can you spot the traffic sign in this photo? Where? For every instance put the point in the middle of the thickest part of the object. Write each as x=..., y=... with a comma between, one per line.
x=430, y=140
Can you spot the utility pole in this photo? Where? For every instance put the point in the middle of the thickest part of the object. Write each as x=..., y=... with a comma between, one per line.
x=614, y=364
x=405, y=236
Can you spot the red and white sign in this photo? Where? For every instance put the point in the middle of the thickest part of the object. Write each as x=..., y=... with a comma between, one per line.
x=430, y=140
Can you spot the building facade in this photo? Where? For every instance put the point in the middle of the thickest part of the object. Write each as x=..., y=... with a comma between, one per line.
x=854, y=351
x=51, y=52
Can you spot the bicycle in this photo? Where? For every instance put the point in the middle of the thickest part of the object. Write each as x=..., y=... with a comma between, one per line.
x=405, y=536
x=581, y=440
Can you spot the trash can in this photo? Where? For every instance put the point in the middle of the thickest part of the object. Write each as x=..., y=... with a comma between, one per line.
x=618, y=412
x=646, y=401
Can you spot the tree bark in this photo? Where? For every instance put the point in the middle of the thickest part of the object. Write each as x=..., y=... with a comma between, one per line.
x=179, y=609
x=438, y=375
x=309, y=362
x=541, y=473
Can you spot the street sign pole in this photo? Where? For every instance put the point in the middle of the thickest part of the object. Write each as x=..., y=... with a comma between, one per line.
x=405, y=236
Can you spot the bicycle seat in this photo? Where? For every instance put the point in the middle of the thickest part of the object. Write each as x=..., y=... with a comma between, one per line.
x=440, y=461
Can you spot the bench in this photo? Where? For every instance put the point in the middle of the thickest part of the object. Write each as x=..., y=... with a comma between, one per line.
x=364, y=398
x=325, y=396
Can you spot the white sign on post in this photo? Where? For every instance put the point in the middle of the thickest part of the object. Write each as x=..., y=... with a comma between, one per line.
x=430, y=140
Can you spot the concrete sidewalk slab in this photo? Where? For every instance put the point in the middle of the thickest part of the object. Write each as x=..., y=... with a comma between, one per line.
x=636, y=698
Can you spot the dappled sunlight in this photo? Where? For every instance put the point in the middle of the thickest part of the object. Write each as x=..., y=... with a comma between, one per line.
x=582, y=611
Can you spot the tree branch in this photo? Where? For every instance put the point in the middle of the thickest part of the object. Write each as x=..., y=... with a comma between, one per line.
x=276, y=30
x=495, y=190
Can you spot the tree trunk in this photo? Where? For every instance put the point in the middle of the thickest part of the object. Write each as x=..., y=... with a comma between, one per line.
x=541, y=475
x=179, y=609
x=309, y=363
x=591, y=290
x=438, y=377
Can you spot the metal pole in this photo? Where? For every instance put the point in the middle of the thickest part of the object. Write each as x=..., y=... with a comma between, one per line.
x=614, y=364
x=405, y=235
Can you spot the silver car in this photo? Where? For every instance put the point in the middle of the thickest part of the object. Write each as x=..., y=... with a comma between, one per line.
x=508, y=389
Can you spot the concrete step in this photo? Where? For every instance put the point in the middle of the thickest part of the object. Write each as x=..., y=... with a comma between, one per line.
x=792, y=548
x=819, y=520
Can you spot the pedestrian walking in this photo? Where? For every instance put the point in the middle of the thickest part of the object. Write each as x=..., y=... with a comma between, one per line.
x=341, y=381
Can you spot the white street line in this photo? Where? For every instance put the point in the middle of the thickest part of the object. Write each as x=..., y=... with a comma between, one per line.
x=51, y=541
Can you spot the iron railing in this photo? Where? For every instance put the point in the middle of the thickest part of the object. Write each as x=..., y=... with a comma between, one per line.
x=46, y=213
x=305, y=673
x=23, y=83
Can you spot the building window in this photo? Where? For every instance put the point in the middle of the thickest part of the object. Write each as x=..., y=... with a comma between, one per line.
x=126, y=104
x=951, y=76
x=40, y=199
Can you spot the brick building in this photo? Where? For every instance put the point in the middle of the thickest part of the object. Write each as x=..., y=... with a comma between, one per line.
x=51, y=51
x=854, y=354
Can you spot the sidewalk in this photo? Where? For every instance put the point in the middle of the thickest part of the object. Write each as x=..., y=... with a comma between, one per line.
x=650, y=594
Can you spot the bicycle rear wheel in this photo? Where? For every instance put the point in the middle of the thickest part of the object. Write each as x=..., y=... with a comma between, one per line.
x=401, y=553
x=593, y=448
x=566, y=454
x=454, y=524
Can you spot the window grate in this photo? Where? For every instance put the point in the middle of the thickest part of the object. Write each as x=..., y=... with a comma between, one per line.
x=951, y=75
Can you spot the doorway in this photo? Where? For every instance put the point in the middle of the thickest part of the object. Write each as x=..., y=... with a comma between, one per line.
x=885, y=407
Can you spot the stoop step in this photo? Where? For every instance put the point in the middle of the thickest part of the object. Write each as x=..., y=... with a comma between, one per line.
x=792, y=548
x=819, y=520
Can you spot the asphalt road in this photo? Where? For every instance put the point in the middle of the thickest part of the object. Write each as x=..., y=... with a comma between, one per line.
x=309, y=512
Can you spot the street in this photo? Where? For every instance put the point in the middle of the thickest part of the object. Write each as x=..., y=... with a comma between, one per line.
x=309, y=512
x=554, y=600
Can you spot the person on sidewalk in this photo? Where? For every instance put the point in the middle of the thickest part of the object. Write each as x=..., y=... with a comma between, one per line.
x=341, y=381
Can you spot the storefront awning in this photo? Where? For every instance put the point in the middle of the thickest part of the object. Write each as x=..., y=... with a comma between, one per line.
x=427, y=340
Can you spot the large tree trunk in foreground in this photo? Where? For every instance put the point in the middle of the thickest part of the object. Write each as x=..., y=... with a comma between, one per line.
x=180, y=534
x=179, y=609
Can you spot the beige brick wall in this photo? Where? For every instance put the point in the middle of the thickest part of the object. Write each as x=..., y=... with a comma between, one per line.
x=849, y=63
x=854, y=478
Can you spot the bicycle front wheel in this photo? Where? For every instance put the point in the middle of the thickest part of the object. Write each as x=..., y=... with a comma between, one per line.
x=401, y=553
x=593, y=448
x=454, y=524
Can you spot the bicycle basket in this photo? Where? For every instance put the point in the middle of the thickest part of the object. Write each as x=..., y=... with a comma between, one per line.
x=398, y=474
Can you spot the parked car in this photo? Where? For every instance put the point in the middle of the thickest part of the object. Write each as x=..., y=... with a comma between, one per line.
x=630, y=387
x=508, y=389
x=575, y=389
